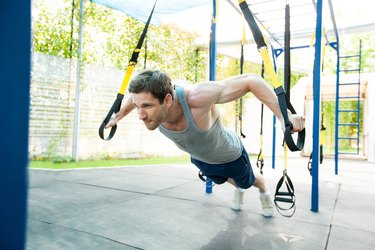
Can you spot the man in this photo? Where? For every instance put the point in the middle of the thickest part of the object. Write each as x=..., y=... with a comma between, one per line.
x=190, y=118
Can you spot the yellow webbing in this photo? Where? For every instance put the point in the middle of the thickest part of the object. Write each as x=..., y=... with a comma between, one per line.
x=128, y=74
x=269, y=67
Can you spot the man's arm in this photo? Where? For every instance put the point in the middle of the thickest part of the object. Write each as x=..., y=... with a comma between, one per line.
x=124, y=111
x=234, y=88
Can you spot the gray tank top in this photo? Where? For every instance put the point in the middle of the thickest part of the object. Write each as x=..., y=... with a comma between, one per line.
x=215, y=146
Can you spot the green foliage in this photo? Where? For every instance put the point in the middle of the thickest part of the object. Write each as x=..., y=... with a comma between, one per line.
x=66, y=163
x=328, y=116
x=349, y=45
x=52, y=28
x=110, y=37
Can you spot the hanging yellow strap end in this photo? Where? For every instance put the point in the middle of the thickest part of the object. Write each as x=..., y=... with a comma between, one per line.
x=285, y=155
x=243, y=40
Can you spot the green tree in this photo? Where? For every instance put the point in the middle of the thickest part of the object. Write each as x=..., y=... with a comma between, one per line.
x=110, y=37
x=349, y=45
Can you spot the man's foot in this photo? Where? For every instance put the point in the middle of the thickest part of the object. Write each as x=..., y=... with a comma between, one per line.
x=267, y=204
x=238, y=199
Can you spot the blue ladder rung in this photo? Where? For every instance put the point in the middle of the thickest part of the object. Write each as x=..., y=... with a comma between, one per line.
x=349, y=110
x=348, y=153
x=349, y=70
x=349, y=83
x=351, y=56
x=348, y=138
x=349, y=124
x=348, y=97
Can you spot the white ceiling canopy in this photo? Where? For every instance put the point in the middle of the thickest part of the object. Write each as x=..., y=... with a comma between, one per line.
x=195, y=16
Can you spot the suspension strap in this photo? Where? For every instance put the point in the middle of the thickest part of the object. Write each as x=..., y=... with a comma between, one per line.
x=285, y=199
x=242, y=60
x=260, y=159
x=132, y=62
x=281, y=96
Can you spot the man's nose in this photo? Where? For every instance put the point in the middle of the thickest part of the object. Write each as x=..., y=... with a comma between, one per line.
x=141, y=114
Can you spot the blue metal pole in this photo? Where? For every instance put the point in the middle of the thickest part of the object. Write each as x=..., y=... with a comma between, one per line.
x=337, y=109
x=212, y=67
x=15, y=47
x=213, y=43
x=336, y=46
x=317, y=114
x=275, y=54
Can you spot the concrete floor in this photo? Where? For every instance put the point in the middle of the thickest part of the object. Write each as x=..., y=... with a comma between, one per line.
x=166, y=207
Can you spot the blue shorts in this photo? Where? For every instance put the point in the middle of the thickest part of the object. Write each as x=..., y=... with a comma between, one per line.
x=239, y=170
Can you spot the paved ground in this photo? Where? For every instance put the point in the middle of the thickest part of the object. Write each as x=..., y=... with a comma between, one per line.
x=166, y=207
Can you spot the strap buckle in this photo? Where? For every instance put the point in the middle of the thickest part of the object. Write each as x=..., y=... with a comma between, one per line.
x=260, y=162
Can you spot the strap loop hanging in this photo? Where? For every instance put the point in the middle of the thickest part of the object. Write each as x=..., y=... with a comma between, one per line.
x=285, y=200
x=117, y=103
x=283, y=102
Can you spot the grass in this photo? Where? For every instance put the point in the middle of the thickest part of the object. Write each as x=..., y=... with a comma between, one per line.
x=45, y=164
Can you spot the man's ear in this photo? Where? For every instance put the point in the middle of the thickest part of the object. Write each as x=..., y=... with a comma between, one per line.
x=168, y=100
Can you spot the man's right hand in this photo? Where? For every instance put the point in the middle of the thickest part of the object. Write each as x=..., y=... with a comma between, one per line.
x=112, y=122
x=298, y=122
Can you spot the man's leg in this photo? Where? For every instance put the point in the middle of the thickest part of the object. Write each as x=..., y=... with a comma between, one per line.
x=231, y=181
x=260, y=184
x=238, y=196
x=264, y=196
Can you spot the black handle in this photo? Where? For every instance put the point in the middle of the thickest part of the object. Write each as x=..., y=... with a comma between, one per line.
x=114, y=109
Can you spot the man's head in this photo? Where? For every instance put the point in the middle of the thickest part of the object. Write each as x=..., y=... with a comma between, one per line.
x=152, y=95
x=157, y=83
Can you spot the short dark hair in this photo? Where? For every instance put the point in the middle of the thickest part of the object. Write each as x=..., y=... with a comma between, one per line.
x=156, y=82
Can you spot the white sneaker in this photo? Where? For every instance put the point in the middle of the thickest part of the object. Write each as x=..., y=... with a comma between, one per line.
x=267, y=204
x=238, y=200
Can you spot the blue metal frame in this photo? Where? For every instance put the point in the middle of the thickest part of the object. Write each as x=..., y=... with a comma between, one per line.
x=15, y=50
x=337, y=108
x=274, y=142
x=212, y=74
x=317, y=113
x=275, y=54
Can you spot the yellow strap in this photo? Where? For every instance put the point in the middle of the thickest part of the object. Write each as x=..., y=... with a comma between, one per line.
x=243, y=41
x=322, y=137
x=323, y=54
x=285, y=155
x=261, y=147
x=214, y=19
x=323, y=47
x=128, y=74
x=269, y=67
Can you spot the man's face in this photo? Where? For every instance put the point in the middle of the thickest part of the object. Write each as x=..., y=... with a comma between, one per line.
x=150, y=111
